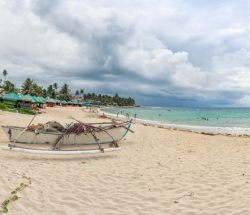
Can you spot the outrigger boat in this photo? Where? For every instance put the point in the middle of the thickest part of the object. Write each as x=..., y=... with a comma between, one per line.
x=69, y=140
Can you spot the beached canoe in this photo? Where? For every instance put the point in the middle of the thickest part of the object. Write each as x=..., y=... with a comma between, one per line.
x=107, y=134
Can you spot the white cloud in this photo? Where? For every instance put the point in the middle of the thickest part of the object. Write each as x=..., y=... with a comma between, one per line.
x=173, y=48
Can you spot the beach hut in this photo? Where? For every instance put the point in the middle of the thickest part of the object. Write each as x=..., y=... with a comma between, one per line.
x=58, y=102
x=10, y=99
x=51, y=103
x=29, y=101
x=86, y=104
x=97, y=103
x=75, y=103
x=41, y=102
x=64, y=103
x=69, y=103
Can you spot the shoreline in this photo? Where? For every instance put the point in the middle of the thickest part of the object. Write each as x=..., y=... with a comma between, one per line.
x=207, y=130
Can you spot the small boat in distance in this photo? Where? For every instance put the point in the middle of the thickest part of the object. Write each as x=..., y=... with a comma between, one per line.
x=68, y=140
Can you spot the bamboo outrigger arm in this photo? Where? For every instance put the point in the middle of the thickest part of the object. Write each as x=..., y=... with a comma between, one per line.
x=24, y=129
x=61, y=152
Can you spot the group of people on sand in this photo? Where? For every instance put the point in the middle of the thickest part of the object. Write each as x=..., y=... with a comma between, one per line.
x=127, y=114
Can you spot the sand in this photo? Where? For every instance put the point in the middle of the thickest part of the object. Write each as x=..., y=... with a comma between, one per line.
x=158, y=171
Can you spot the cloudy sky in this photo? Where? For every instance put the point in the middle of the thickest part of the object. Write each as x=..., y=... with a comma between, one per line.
x=161, y=52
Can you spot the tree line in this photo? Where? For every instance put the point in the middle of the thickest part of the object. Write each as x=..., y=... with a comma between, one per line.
x=64, y=93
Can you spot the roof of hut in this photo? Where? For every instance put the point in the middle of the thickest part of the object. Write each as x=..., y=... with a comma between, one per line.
x=41, y=99
x=11, y=97
x=75, y=102
x=50, y=100
x=64, y=102
x=29, y=98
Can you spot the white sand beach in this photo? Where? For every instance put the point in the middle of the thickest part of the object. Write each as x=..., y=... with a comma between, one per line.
x=158, y=171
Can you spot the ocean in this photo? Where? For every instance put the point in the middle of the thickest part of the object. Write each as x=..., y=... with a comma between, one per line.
x=211, y=120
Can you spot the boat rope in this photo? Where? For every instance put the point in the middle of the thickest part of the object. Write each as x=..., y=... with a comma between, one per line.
x=98, y=129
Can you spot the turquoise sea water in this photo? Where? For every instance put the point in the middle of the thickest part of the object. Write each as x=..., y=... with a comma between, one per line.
x=233, y=118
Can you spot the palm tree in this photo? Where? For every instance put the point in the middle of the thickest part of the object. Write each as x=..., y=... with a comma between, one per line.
x=9, y=87
x=82, y=93
x=44, y=94
x=5, y=73
x=27, y=86
x=51, y=91
x=55, y=85
x=65, y=93
x=36, y=90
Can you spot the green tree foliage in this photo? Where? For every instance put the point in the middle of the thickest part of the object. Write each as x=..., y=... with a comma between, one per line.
x=44, y=94
x=65, y=93
x=109, y=100
x=116, y=99
x=36, y=90
x=51, y=91
x=30, y=87
x=27, y=86
x=9, y=87
x=77, y=93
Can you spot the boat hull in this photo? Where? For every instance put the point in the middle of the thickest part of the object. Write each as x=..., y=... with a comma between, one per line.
x=31, y=137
